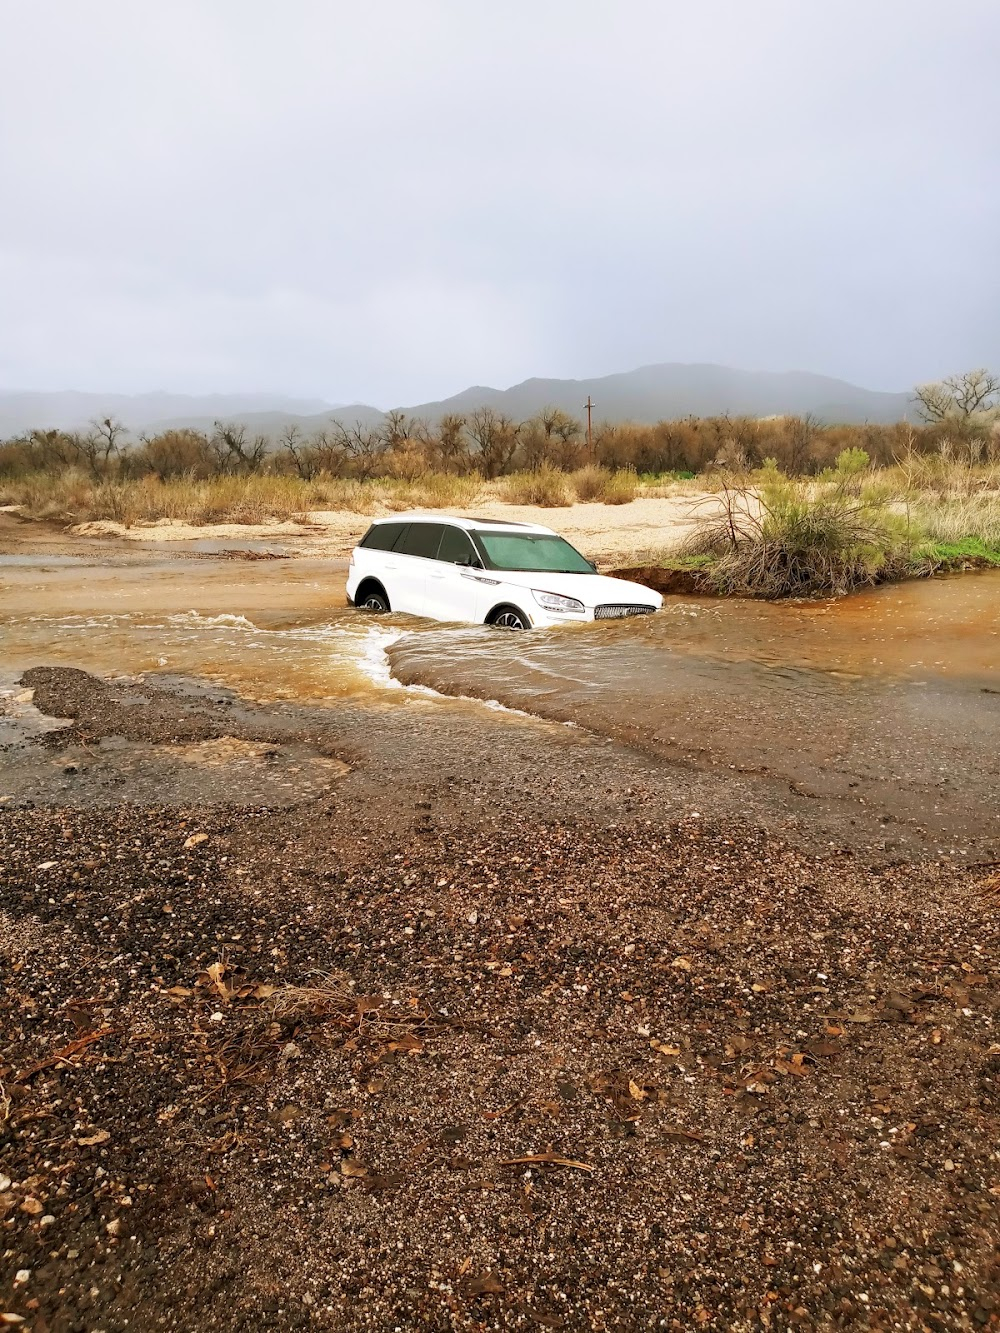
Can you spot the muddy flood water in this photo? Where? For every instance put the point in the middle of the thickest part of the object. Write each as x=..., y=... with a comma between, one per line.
x=886, y=702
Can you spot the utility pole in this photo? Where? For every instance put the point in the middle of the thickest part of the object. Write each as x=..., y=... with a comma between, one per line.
x=590, y=433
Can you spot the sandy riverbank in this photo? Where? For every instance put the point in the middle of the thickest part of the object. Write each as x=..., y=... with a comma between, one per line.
x=619, y=533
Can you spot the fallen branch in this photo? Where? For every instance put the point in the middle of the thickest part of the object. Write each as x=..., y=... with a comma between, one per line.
x=73, y=1048
x=547, y=1159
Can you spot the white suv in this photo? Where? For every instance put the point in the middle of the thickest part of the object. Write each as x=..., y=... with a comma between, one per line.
x=515, y=575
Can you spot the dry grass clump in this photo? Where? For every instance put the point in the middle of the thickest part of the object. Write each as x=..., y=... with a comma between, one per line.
x=434, y=490
x=49, y=495
x=546, y=486
x=959, y=519
x=254, y=499
x=603, y=486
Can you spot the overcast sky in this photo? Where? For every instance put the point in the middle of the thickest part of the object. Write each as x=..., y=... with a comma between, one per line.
x=389, y=200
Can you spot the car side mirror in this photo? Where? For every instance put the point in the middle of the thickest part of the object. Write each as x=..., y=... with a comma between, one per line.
x=469, y=562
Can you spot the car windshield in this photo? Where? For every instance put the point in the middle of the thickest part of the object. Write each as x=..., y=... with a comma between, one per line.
x=531, y=552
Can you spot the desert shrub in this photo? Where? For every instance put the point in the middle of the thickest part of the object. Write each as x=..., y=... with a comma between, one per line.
x=851, y=462
x=788, y=538
x=546, y=486
x=599, y=484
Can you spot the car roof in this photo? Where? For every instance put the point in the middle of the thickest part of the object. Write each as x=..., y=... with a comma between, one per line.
x=469, y=524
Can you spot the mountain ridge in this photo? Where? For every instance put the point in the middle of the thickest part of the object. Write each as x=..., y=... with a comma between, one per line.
x=654, y=392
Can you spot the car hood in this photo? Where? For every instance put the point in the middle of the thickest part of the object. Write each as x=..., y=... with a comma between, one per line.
x=591, y=589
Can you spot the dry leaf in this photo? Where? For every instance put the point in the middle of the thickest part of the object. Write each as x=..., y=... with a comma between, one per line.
x=215, y=973
x=483, y=1286
x=635, y=1091
x=678, y=1134
x=32, y=1206
x=824, y=1048
x=101, y=1136
x=664, y=1048
x=351, y=1167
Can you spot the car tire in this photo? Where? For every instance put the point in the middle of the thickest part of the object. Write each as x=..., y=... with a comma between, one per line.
x=508, y=617
x=374, y=601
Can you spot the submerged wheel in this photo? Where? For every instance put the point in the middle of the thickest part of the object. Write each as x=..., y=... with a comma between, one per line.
x=373, y=601
x=509, y=617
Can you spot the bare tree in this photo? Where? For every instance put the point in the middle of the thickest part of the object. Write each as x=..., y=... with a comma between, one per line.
x=494, y=435
x=300, y=453
x=234, y=452
x=546, y=438
x=364, y=446
x=959, y=398
x=452, y=443
x=99, y=445
x=397, y=428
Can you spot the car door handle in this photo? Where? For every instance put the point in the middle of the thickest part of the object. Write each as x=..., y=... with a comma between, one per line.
x=437, y=576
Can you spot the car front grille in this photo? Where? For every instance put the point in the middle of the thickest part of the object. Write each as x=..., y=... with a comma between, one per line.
x=618, y=610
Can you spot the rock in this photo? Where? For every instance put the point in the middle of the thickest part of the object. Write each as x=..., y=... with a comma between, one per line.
x=5, y=1183
x=195, y=840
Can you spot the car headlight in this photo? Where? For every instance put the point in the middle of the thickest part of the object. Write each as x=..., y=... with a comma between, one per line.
x=553, y=601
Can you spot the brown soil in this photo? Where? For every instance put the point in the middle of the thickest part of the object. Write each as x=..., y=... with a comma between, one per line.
x=465, y=1045
x=670, y=582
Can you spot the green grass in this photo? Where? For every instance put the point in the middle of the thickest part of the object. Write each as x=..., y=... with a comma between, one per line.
x=969, y=549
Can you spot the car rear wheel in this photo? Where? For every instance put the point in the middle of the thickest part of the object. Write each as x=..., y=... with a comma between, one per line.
x=509, y=617
x=373, y=601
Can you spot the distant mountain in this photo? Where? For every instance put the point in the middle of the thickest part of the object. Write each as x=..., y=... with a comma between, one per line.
x=651, y=393
x=672, y=390
x=72, y=411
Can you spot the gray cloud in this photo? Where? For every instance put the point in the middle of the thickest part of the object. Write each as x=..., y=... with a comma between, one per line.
x=390, y=201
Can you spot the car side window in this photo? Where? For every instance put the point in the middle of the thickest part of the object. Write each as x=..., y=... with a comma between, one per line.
x=381, y=536
x=455, y=546
x=420, y=539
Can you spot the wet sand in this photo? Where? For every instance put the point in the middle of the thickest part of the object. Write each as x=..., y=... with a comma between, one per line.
x=364, y=1009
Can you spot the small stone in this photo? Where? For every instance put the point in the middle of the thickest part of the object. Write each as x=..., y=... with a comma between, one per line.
x=47, y=865
x=5, y=1183
x=113, y=1227
x=194, y=840
x=21, y=1276
x=47, y=1220
x=217, y=1017
x=32, y=1206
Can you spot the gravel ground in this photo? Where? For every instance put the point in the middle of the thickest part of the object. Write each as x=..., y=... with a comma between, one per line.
x=494, y=1033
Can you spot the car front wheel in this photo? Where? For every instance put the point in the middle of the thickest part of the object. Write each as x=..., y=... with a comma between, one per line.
x=509, y=617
